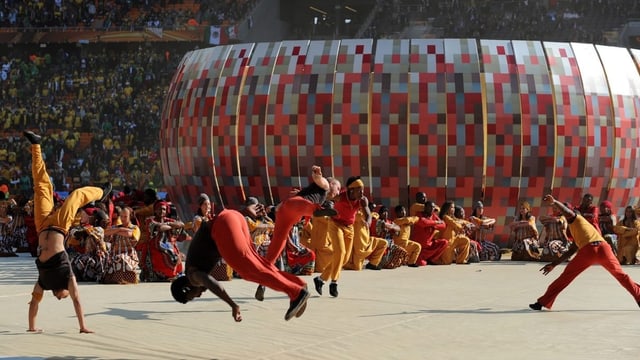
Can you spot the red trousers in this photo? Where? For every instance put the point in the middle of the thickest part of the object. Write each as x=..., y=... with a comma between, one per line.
x=432, y=250
x=231, y=234
x=588, y=255
x=287, y=215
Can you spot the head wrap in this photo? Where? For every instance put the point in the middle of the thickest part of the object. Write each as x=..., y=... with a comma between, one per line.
x=161, y=204
x=354, y=182
x=607, y=204
x=203, y=198
x=251, y=201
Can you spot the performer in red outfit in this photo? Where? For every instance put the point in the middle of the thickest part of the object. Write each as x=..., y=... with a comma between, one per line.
x=589, y=211
x=303, y=204
x=423, y=232
x=591, y=249
x=227, y=236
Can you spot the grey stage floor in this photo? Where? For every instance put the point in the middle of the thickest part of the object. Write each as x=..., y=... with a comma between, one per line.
x=476, y=311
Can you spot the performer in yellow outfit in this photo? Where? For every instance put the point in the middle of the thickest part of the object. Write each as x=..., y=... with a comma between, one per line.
x=52, y=225
x=459, y=244
x=402, y=237
x=341, y=232
x=365, y=246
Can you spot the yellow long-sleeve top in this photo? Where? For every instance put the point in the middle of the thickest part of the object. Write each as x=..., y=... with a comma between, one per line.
x=402, y=237
x=452, y=229
x=627, y=231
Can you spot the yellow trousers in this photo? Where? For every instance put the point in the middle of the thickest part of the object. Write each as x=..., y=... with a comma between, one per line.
x=44, y=214
x=373, y=250
x=319, y=242
x=413, y=249
x=458, y=248
x=341, y=238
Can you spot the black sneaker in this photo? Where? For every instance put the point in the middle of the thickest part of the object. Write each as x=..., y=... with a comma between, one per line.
x=260, y=293
x=318, y=284
x=33, y=138
x=302, y=309
x=106, y=191
x=297, y=304
x=333, y=289
x=370, y=266
x=535, y=306
x=325, y=212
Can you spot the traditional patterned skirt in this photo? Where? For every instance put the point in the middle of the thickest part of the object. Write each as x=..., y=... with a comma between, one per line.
x=394, y=257
x=490, y=251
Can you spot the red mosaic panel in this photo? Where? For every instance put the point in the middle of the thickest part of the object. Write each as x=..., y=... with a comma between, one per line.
x=389, y=123
x=225, y=124
x=240, y=124
x=252, y=119
x=504, y=141
x=315, y=102
x=427, y=120
x=599, y=122
x=350, y=111
x=538, y=133
x=570, y=119
x=622, y=76
x=465, y=125
x=187, y=135
x=282, y=119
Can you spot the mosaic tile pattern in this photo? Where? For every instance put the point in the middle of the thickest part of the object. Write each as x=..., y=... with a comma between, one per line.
x=538, y=132
x=571, y=126
x=186, y=137
x=282, y=119
x=252, y=119
x=465, y=123
x=388, y=122
x=225, y=123
x=622, y=76
x=427, y=119
x=599, y=122
x=350, y=111
x=315, y=102
x=499, y=122
x=504, y=140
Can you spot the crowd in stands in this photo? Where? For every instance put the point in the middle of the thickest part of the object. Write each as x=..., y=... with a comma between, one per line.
x=100, y=106
x=579, y=21
x=168, y=14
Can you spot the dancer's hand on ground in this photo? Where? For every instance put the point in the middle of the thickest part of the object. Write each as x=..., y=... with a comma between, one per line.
x=547, y=268
x=236, y=314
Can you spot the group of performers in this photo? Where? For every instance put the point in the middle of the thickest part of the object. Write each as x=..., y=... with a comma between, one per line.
x=426, y=236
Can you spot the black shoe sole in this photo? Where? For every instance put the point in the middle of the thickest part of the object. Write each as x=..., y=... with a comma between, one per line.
x=297, y=304
x=325, y=212
x=32, y=137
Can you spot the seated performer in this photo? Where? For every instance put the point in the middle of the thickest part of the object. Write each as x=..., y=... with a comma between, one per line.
x=54, y=268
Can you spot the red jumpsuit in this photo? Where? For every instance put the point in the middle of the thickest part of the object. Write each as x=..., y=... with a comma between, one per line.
x=230, y=232
x=423, y=232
